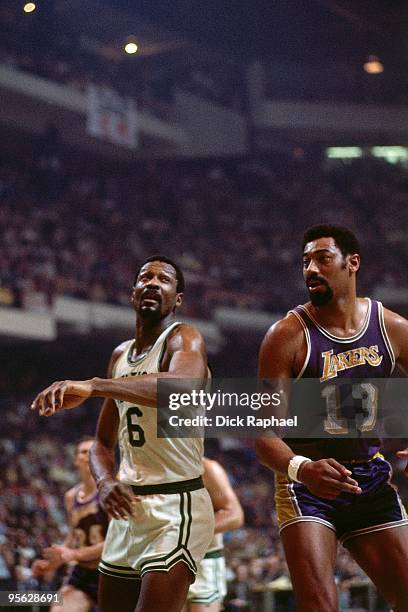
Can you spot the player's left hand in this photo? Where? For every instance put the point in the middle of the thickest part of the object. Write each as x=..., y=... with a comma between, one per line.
x=116, y=498
x=62, y=395
x=40, y=567
x=57, y=555
x=403, y=454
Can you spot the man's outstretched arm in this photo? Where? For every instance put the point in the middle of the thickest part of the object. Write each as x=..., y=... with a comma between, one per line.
x=186, y=359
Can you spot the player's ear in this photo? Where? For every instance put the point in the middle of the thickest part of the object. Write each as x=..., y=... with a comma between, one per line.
x=179, y=299
x=354, y=263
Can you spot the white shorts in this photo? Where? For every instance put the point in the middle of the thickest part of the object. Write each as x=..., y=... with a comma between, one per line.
x=211, y=581
x=165, y=528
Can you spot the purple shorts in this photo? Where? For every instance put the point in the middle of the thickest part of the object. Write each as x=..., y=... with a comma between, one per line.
x=377, y=507
x=85, y=580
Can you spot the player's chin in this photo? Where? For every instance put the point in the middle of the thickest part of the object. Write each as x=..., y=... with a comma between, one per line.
x=150, y=310
x=320, y=298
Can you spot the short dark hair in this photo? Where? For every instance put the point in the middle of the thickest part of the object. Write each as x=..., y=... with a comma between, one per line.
x=344, y=238
x=85, y=438
x=179, y=274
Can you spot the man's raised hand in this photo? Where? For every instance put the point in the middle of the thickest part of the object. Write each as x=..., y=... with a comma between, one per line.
x=62, y=395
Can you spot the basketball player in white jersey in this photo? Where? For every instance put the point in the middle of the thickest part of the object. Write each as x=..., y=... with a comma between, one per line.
x=210, y=587
x=163, y=520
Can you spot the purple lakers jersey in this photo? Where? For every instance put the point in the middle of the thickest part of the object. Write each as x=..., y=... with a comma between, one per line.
x=330, y=359
x=89, y=523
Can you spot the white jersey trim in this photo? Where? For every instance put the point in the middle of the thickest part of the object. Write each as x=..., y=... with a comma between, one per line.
x=392, y=525
x=308, y=343
x=306, y=519
x=346, y=339
x=140, y=358
x=386, y=339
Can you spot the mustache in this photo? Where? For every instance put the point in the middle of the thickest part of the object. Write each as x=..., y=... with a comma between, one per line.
x=151, y=293
x=319, y=279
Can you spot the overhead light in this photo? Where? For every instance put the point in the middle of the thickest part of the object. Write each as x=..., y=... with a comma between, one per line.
x=29, y=7
x=392, y=154
x=373, y=65
x=131, y=46
x=344, y=152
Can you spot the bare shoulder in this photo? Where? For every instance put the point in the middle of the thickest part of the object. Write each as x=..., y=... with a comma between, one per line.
x=287, y=330
x=185, y=335
x=393, y=320
x=283, y=350
x=185, y=353
x=69, y=497
x=120, y=349
x=116, y=353
x=215, y=477
x=397, y=329
x=212, y=469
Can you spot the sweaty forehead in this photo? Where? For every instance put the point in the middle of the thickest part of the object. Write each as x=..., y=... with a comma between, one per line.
x=327, y=244
x=157, y=267
x=84, y=446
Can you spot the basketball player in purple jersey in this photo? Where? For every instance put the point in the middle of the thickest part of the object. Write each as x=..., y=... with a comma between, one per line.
x=336, y=489
x=82, y=549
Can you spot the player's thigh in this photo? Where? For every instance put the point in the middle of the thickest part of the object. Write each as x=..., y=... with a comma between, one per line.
x=116, y=594
x=383, y=555
x=212, y=607
x=165, y=591
x=210, y=586
x=311, y=550
x=73, y=600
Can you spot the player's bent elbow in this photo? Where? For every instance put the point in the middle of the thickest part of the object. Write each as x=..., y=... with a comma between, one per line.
x=238, y=520
x=261, y=451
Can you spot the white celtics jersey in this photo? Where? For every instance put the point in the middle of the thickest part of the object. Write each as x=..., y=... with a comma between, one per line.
x=145, y=458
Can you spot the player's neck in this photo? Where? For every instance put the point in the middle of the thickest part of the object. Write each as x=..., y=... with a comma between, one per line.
x=88, y=486
x=147, y=332
x=344, y=314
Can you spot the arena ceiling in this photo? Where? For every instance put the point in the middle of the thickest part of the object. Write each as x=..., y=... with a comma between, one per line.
x=300, y=30
x=309, y=31
x=290, y=30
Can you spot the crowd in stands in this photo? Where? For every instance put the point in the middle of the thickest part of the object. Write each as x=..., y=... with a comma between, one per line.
x=36, y=470
x=235, y=227
x=36, y=466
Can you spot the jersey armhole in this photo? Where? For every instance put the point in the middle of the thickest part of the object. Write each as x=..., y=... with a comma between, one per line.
x=71, y=496
x=127, y=344
x=308, y=343
x=384, y=334
x=164, y=346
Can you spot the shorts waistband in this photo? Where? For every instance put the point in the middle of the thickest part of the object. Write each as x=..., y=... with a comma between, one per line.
x=169, y=487
x=363, y=459
x=214, y=554
x=90, y=571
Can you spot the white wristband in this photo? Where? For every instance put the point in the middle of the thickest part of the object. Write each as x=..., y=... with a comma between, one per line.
x=294, y=465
